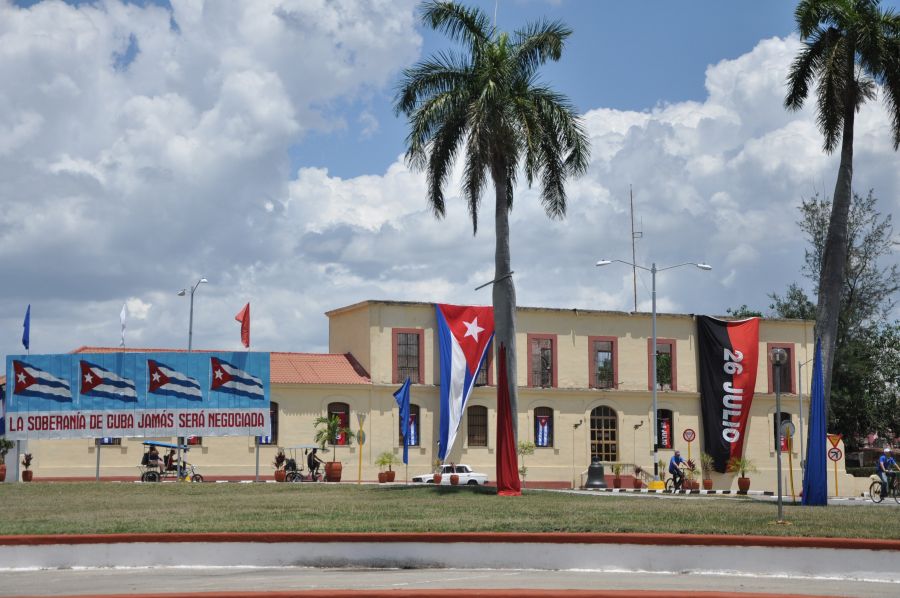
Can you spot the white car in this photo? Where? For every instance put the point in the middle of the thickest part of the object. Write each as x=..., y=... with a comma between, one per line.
x=467, y=477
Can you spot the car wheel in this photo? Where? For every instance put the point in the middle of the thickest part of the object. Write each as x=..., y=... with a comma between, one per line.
x=472, y=483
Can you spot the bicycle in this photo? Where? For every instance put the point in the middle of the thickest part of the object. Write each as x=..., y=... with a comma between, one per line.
x=670, y=484
x=893, y=489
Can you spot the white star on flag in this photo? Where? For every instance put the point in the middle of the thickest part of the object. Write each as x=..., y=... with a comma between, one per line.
x=218, y=374
x=156, y=376
x=472, y=329
x=88, y=378
x=21, y=378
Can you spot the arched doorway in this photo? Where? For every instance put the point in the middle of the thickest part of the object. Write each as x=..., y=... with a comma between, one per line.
x=604, y=435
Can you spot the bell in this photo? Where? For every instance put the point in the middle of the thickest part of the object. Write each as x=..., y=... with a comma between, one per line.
x=595, y=475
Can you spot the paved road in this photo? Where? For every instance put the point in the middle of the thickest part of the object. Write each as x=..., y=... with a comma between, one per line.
x=108, y=581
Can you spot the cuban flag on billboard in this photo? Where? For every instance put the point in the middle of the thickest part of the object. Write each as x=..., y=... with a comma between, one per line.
x=227, y=378
x=413, y=430
x=163, y=380
x=464, y=337
x=543, y=431
x=98, y=382
x=35, y=382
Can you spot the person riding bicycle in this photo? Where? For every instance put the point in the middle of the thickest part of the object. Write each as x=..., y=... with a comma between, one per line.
x=675, y=464
x=313, y=462
x=886, y=469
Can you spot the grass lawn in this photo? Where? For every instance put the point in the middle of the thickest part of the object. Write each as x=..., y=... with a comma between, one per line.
x=75, y=508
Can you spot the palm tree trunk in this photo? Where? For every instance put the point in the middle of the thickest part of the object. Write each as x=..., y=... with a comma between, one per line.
x=834, y=259
x=504, y=297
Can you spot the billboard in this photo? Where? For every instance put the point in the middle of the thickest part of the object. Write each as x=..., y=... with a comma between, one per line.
x=96, y=395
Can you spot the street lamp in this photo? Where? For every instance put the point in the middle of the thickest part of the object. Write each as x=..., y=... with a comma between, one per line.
x=574, y=427
x=182, y=293
x=779, y=359
x=653, y=270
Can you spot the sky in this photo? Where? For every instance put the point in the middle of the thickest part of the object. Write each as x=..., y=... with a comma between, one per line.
x=144, y=145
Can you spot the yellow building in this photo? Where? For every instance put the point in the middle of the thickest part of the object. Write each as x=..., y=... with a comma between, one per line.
x=583, y=373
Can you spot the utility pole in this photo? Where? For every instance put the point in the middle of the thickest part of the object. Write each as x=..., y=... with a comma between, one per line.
x=634, y=235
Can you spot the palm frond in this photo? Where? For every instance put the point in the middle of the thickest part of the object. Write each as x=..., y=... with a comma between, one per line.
x=811, y=14
x=831, y=94
x=474, y=177
x=806, y=65
x=428, y=119
x=468, y=25
x=437, y=75
x=441, y=154
x=891, y=85
x=538, y=43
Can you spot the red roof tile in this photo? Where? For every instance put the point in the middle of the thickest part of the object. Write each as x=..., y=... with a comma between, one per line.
x=284, y=368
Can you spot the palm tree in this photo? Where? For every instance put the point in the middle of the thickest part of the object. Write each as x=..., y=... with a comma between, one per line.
x=489, y=103
x=850, y=47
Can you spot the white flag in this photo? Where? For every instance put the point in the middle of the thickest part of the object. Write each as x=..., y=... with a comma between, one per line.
x=122, y=315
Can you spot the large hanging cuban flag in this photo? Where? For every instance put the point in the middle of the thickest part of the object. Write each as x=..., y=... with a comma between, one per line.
x=35, y=382
x=230, y=379
x=99, y=382
x=166, y=381
x=543, y=431
x=464, y=337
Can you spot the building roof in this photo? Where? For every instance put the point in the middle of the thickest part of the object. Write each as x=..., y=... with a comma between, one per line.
x=572, y=310
x=284, y=368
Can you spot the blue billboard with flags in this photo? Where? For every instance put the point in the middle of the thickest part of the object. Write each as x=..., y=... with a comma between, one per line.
x=136, y=394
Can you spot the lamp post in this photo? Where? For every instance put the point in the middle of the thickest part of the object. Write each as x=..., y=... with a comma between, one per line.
x=574, y=427
x=182, y=293
x=653, y=270
x=779, y=359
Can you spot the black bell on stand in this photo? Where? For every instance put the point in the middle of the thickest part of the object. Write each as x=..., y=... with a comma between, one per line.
x=595, y=475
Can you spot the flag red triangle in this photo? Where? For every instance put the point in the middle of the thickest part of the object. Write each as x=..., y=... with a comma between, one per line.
x=243, y=317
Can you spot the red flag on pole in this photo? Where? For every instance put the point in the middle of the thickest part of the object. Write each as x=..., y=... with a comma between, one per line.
x=243, y=317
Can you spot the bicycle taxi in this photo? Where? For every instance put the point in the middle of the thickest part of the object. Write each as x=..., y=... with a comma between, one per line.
x=155, y=469
x=296, y=459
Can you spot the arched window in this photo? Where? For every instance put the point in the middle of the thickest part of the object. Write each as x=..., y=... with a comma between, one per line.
x=413, y=426
x=665, y=428
x=342, y=412
x=604, y=434
x=476, y=425
x=273, y=420
x=543, y=427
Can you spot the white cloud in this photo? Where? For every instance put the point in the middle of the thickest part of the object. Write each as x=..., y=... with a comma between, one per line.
x=129, y=184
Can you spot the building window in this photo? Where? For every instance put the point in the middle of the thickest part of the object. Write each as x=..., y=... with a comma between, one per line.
x=603, y=360
x=785, y=417
x=541, y=361
x=272, y=439
x=604, y=435
x=666, y=365
x=476, y=420
x=194, y=441
x=543, y=427
x=413, y=427
x=787, y=370
x=107, y=441
x=484, y=377
x=665, y=428
x=409, y=355
x=342, y=412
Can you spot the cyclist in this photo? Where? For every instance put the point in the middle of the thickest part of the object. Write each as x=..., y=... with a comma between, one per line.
x=886, y=469
x=313, y=461
x=675, y=465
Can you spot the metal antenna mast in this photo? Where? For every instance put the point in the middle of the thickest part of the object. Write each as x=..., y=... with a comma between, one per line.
x=634, y=235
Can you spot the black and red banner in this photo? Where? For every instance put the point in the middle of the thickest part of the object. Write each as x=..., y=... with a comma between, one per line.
x=728, y=353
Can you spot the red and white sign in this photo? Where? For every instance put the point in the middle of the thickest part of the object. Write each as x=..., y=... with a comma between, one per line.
x=835, y=439
x=689, y=435
x=835, y=454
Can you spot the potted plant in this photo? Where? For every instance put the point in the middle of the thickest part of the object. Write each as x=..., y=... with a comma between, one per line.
x=386, y=459
x=691, y=469
x=454, y=477
x=27, y=474
x=637, y=482
x=278, y=464
x=328, y=431
x=744, y=466
x=524, y=449
x=707, y=463
x=436, y=467
x=617, y=475
x=5, y=446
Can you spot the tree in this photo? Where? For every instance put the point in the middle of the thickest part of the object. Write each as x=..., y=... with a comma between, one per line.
x=850, y=47
x=488, y=103
x=743, y=312
x=864, y=367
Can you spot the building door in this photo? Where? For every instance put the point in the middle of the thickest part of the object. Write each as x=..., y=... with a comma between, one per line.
x=604, y=435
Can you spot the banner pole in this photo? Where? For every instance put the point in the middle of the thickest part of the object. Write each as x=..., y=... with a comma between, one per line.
x=256, y=440
x=790, y=445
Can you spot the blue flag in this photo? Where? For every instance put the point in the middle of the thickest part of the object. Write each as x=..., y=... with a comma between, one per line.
x=402, y=397
x=815, y=480
x=26, y=334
